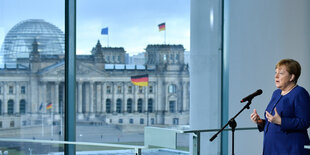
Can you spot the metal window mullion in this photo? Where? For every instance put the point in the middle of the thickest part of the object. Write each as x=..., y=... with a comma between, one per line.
x=70, y=45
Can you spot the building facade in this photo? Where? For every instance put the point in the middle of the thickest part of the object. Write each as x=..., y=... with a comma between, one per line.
x=104, y=92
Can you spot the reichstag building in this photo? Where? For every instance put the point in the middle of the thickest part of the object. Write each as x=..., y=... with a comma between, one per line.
x=32, y=81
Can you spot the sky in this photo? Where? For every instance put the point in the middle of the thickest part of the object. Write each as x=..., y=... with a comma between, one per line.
x=133, y=24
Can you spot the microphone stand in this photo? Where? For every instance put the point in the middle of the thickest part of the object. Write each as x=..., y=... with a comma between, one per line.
x=233, y=124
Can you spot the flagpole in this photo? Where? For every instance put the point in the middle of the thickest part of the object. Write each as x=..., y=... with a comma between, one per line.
x=108, y=40
x=165, y=36
x=42, y=123
x=52, y=132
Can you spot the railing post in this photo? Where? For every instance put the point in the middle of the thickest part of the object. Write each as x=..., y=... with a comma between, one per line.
x=138, y=151
x=196, y=143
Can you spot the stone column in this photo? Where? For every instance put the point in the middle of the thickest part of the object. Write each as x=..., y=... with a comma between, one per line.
x=135, y=102
x=103, y=97
x=113, y=102
x=44, y=96
x=17, y=102
x=91, y=94
x=124, y=97
x=184, y=96
x=56, y=101
x=80, y=85
x=98, y=97
x=145, y=89
x=5, y=102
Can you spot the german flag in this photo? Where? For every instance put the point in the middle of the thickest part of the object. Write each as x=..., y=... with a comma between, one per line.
x=49, y=106
x=162, y=27
x=140, y=80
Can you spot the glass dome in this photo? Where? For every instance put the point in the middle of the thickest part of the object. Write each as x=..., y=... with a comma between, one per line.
x=18, y=41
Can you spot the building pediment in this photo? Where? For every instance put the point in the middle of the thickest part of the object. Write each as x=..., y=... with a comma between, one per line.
x=82, y=69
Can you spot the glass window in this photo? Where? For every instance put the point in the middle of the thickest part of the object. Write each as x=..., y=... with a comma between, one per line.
x=120, y=121
x=112, y=21
x=140, y=105
x=150, y=89
x=12, y=124
x=10, y=107
x=152, y=121
x=22, y=107
x=23, y=90
x=108, y=106
x=0, y=124
x=172, y=106
x=119, y=89
x=129, y=89
x=108, y=89
x=10, y=89
x=129, y=105
x=140, y=89
x=32, y=40
x=150, y=105
x=172, y=88
x=130, y=121
x=0, y=107
x=118, y=105
x=175, y=121
x=0, y=90
x=141, y=121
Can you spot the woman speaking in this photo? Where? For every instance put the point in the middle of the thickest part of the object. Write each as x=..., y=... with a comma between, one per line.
x=287, y=116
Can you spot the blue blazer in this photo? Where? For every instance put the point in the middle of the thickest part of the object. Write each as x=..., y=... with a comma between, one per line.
x=290, y=137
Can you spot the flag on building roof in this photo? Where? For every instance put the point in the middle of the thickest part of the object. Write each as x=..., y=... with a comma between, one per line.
x=162, y=27
x=105, y=31
x=140, y=80
x=49, y=106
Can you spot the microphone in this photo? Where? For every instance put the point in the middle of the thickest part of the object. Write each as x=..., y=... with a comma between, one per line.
x=251, y=96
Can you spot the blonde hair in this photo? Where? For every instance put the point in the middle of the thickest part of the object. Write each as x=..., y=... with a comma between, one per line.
x=292, y=66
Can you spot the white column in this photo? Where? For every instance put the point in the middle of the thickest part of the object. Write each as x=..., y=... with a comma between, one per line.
x=104, y=92
x=205, y=71
x=98, y=97
x=124, y=102
x=5, y=102
x=80, y=87
x=44, y=96
x=56, y=101
x=91, y=94
x=184, y=96
x=145, y=89
x=113, y=101
x=135, y=102
x=17, y=103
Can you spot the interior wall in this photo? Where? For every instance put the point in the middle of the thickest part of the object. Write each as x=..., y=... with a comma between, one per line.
x=262, y=32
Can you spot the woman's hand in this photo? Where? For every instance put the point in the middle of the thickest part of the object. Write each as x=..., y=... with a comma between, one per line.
x=276, y=119
x=255, y=117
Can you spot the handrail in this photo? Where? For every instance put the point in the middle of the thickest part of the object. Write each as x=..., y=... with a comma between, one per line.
x=213, y=130
x=136, y=147
x=196, y=136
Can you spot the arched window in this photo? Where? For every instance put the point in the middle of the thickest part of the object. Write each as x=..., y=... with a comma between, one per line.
x=108, y=105
x=118, y=105
x=150, y=105
x=22, y=107
x=172, y=88
x=129, y=105
x=10, y=107
x=140, y=102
